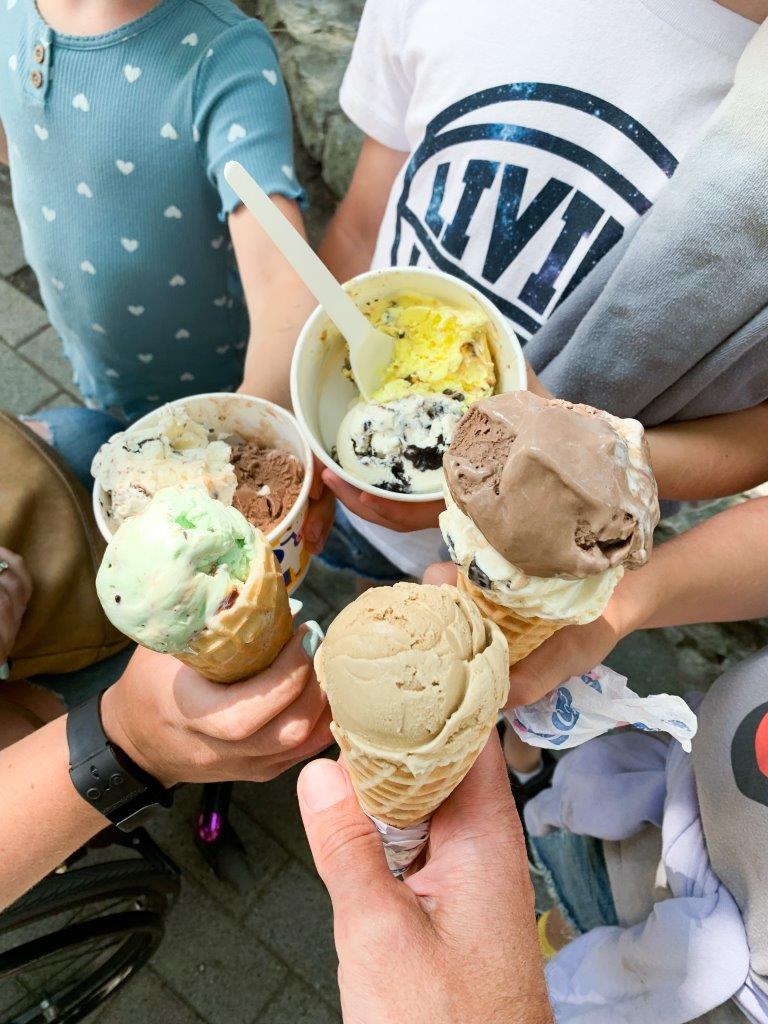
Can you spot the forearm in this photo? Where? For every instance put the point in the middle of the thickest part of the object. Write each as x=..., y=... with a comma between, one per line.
x=715, y=572
x=347, y=248
x=44, y=819
x=711, y=457
x=277, y=317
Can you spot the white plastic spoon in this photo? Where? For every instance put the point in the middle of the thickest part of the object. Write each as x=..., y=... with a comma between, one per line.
x=370, y=351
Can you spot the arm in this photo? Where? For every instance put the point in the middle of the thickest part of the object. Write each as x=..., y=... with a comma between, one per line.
x=347, y=249
x=278, y=303
x=3, y=145
x=455, y=942
x=712, y=457
x=715, y=572
x=174, y=724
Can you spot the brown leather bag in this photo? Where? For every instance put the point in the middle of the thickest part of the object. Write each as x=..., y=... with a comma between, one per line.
x=46, y=517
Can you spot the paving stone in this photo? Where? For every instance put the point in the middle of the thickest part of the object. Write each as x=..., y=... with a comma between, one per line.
x=11, y=252
x=225, y=974
x=62, y=400
x=174, y=833
x=297, y=1003
x=275, y=806
x=146, y=1000
x=46, y=352
x=22, y=388
x=293, y=917
x=337, y=588
x=20, y=317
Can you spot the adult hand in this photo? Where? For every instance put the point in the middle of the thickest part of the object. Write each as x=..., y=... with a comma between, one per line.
x=456, y=942
x=15, y=592
x=402, y=516
x=180, y=727
x=320, y=513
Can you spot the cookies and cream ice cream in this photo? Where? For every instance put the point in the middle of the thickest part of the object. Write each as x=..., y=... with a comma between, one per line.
x=399, y=446
x=442, y=362
x=547, y=503
x=268, y=483
x=414, y=675
x=169, y=569
x=133, y=465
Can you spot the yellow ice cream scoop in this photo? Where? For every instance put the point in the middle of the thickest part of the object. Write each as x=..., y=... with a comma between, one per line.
x=438, y=349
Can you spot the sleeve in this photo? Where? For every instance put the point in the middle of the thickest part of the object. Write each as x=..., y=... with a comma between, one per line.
x=241, y=112
x=375, y=92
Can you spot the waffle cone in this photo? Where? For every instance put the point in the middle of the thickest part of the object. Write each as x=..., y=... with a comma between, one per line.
x=389, y=791
x=523, y=635
x=246, y=638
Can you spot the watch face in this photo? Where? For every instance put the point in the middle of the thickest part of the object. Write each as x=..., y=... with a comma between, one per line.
x=749, y=755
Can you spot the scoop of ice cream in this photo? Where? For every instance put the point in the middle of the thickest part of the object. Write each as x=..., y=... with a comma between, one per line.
x=168, y=570
x=439, y=349
x=556, y=489
x=268, y=483
x=409, y=669
x=398, y=446
x=135, y=464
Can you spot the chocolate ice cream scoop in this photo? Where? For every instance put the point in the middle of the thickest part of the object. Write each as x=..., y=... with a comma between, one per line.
x=557, y=489
x=268, y=483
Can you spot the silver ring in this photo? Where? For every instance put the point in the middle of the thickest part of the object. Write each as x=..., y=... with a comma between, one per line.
x=3, y=567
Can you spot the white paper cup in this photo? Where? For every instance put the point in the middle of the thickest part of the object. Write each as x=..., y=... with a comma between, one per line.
x=253, y=419
x=321, y=395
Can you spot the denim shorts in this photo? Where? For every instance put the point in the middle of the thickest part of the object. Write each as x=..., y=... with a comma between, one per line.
x=346, y=548
x=577, y=879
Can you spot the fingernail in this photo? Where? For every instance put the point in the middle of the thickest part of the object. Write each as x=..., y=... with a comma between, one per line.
x=5, y=670
x=312, y=638
x=322, y=784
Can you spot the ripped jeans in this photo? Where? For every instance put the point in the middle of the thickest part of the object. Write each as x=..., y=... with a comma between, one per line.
x=77, y=434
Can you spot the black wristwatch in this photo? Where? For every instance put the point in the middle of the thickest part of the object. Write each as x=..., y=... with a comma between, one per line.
x=105, y=776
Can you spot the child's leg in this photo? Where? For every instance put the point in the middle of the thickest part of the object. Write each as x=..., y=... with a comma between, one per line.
x=24, y=708
x=521, y=758
x=76, y=434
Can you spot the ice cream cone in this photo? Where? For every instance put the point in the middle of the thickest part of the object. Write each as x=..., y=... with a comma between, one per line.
x=246, y=637
x=523, y=635
x=389, y=791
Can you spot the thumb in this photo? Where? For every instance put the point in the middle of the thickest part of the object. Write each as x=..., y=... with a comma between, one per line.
x=345, y=845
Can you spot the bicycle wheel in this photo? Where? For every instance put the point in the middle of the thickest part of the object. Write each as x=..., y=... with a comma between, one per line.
x=75, y=938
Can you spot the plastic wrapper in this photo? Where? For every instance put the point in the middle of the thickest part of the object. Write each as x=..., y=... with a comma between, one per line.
x=402, y=845
x=591, y=704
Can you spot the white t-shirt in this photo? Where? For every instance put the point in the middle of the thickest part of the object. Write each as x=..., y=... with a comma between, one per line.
x=537, y=131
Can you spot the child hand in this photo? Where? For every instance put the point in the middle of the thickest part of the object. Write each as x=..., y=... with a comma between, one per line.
x=395, y=515
x=320, y=513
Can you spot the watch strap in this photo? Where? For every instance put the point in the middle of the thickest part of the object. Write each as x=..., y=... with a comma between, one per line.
x=104, y=775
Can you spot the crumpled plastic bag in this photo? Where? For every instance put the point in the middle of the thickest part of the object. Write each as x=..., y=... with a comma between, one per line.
x=591, y=704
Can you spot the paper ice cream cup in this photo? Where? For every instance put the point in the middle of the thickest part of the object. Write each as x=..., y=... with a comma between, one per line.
x=321, y=395
x=252, y=419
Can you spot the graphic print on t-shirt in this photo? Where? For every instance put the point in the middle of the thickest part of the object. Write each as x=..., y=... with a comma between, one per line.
x=507, y=192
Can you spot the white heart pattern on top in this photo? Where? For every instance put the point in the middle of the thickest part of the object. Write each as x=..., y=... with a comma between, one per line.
x=145, y=357
x=109, y=372
x=195, y=133
x=98, y=329
x=287, y=171
x=135, y=310
x=168, y=131
x=236, y=131
x=222, y=349
x=41, y=133
x=187, y=376
x=190, y=40
x=129, y=244
x=131, y=73
x=87, y=267
x=80, y=102
x=11, y=4
x=57, y=284
x=216, y=243
x=84, y=190
x=124, y=166
x=182, y=333
x=49, y=214
x=177, y=281
x=13, y=62
x=221, y=301
x=271, y=75
x=172, y=212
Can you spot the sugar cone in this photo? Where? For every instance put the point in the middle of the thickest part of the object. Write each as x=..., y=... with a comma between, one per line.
x=389, y=791
x=523, y=635
x=246, y=638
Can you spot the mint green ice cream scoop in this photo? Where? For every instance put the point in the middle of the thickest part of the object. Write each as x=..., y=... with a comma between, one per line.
x=168, y=570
